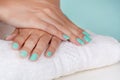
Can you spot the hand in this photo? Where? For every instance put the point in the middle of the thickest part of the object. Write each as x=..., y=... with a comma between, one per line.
x=33, y=42
x=43, y=15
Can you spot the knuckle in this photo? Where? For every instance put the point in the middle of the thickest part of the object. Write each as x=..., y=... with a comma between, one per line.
x=72, y=35
x=43, y=45
x=81, y=35
x=23, y=32
x=77, y=32
x=19, y=40
x=31, y=42
x=48, y=10
x=37, y=50
x=45, y=39
x=52, y=48
x=55, y=41
x=27, y=47
x=54, y=31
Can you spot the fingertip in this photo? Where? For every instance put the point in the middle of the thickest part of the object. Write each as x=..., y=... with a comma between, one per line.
x=66, y=37
x=34, y=57
x=23, y=53
x=86, y=33
x=87, y=38
x=15, y=45
x=49, y=54
x=10, y=37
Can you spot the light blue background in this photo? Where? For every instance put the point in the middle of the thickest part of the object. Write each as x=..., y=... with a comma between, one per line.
x=99, y=16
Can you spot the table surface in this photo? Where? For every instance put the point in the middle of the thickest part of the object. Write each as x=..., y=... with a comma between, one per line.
x=107, y=73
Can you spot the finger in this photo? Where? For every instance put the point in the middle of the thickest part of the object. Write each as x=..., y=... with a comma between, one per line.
x=68, y=21
x=67, y=33
x=73, y=27
x=77, y=35
x=65, y=21
x=21, y=38
x=40, y=47
x=53, y=46
x=29, y=45
x=12, y=35
x=56, y=20
x=82, y=36
x=59, y=16
x=50, y=29
x=87, y=39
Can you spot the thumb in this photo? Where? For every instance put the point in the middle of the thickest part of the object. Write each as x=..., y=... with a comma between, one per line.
x=12, y=35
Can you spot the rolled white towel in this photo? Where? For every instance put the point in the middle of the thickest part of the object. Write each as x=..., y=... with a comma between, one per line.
x=69, y=58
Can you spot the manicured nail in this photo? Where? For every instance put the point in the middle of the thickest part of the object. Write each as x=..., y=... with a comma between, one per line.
x=87, y=39
x=34, y=57
x=86, y=34
x=49, y=53
x=80, y=41
x=23, y=53
x=15, y=45
x=66, y=37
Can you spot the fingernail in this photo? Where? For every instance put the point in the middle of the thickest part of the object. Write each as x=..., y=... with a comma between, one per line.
x=23, y=53
x=49, y=53
x=80, y=41
x=87, y=39
x=66, y=37
x=15, y=45
x=34, y=57
x=86, y=34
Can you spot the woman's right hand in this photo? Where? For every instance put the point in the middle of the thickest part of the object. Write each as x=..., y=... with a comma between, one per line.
x=41, y=14
x=33, y=42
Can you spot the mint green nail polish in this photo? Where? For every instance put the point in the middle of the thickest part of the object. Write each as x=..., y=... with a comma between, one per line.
x=86, y=34
x=34, y=57
x=80, y=41
x=49, y=53
x=66, y=37
x=87, y=39
x=15, y=46
x=23, y=53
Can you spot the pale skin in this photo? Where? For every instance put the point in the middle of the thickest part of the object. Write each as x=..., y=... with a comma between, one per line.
x=35, y=41
x=39, y=23
x=45, y=15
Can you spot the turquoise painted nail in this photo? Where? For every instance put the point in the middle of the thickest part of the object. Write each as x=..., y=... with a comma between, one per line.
x=23, y=53
x=66, y=37
x=86, y=34
x=80, y=41
x=87, y=39
x=15, y=46
x=34, y=57
x=49, y=53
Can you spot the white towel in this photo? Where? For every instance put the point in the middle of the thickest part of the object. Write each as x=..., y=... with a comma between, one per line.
x=69, y=58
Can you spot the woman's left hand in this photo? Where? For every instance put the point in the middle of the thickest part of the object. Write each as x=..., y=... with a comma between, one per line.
x=33, y=42
x=44, y=15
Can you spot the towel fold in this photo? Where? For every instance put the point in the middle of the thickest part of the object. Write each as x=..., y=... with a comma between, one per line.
x=69, y=58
